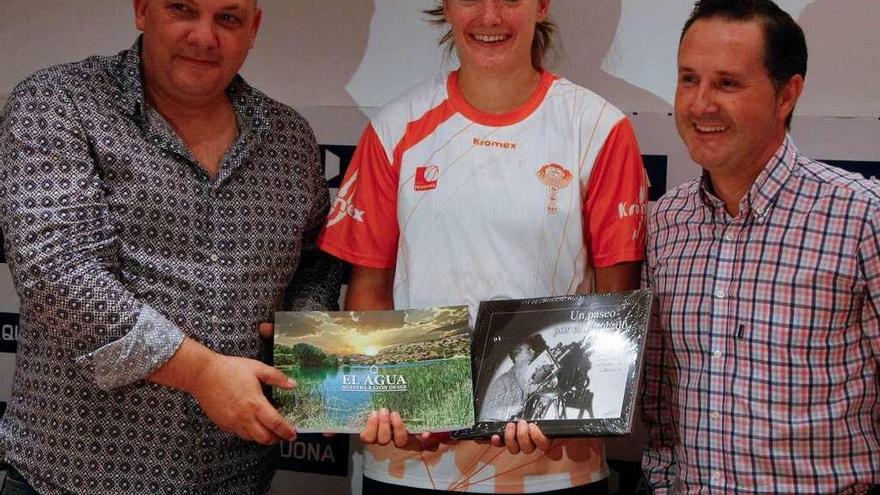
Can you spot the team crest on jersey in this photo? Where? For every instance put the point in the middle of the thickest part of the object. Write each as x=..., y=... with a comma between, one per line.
x=427, y=177
x=343, y=205
x=555, y=177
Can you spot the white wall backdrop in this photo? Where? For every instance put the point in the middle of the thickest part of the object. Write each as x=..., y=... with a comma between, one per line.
x=337, y=60
x=362, y=52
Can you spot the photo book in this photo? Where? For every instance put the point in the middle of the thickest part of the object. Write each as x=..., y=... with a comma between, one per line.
x=347, y=364
x=571, y=364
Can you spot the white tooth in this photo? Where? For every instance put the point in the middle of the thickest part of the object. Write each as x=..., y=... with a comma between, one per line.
x=710, y=128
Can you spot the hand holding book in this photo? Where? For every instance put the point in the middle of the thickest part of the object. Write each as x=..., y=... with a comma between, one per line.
x=524, y=437
x=385, y=427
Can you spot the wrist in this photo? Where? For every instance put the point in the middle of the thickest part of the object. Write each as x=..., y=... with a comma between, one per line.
x=188, y=368
x=198, y=378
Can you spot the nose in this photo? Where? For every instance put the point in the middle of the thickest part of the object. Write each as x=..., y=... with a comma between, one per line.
x=703, y=101
x=490, y=13
x=202, y=33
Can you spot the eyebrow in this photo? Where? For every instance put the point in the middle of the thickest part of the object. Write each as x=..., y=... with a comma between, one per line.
x=723, y=73
x=234, y=6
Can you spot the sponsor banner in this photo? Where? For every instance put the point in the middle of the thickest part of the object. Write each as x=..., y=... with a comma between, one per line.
x=656, y=167
x=335, y=159
x=316, y=454
x=871, y=170
x=8, y=332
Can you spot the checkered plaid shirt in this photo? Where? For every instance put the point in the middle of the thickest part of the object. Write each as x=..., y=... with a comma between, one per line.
x=762, y=363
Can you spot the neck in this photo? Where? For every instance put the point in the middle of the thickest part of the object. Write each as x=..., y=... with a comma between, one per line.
x=732, y=189
x=207, y=127
x=183, y=113
x=497, y=92
x=731, y=186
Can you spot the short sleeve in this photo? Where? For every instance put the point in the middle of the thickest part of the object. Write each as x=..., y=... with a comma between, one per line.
x=362, y=225
x=616, y=201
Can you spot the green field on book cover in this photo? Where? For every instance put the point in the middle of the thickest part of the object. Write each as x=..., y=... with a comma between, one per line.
x=347, y=364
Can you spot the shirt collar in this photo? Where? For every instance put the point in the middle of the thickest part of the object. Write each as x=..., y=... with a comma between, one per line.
x=764, y=191
x=250, y=105
x=128, y=74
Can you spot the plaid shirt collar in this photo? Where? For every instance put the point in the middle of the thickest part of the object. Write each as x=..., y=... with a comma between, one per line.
x=250, y=105
x=765, y=190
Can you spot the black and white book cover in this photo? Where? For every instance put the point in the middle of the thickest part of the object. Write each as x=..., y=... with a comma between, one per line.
x=570, y=363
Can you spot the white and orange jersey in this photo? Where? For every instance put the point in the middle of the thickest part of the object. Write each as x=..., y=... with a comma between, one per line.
x=470, y=206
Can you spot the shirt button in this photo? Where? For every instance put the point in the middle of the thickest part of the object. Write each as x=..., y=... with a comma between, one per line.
x=716, y=354
x=215, y=319
x=728, y=236
x=716, y=475
x=759, y=211
x=715, y=415
x=214, y=257
x=719, y=293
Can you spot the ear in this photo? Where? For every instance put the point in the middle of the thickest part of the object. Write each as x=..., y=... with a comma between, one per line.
x=255, y=28
x=788, y=96
x=140, y=13
x=543, y=10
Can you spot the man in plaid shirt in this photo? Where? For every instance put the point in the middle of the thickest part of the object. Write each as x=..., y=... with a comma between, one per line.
x=762, y=363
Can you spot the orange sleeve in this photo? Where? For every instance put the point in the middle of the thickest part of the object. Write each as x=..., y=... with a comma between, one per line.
x=362, y=226
x=616, y=202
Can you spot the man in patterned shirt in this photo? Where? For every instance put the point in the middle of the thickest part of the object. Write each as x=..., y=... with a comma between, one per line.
x=762, y=363
x=156, y=209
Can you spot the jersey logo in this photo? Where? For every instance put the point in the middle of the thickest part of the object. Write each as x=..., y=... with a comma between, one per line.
x=638, y=210
x=427, y=177
x=555, y=177
x=494, y=144
x=343, y=205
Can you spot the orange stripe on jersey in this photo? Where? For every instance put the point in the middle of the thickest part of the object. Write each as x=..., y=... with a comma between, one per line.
x=418, y=130
x=499, y=119
x=617, y=199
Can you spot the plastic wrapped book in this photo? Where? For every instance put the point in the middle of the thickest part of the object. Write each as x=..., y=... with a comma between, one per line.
x=570, y=363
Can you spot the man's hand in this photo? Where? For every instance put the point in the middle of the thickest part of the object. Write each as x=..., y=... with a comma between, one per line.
x=229, y=390
x=523, y=437
x=230, y=394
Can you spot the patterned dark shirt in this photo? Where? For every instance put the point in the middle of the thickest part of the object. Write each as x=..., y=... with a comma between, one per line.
x=761, y=372
x=120, y=245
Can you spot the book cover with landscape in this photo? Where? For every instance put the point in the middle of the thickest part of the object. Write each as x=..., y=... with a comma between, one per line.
x=347, y=364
